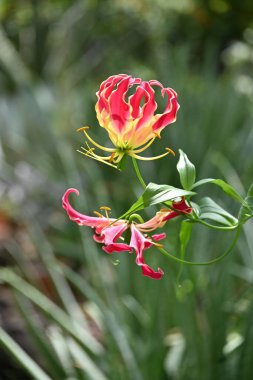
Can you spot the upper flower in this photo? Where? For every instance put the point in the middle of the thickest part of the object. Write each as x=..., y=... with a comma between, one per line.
x=109, y=231
x=129, y=116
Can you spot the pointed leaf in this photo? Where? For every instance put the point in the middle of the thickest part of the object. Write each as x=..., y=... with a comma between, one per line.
x=58, y=340
x=212, y=211
x=155, y=194
x=38, y=335
x=246, y=211
x=84, y=362
x=22, y=357
x=184, y=236
x=53, y=311
x=228, y=189
x=186, y=171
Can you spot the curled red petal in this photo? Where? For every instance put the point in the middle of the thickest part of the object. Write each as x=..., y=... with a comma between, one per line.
x=98, y=238
x=182, y=206
x=112, y=79
x=170, y=113
x=112, y=233
x=170, y=215
x=149, y=106
x=106, y=89
x=81, y=219
x=119, y=108
x=158, y=237
x=154, y=82
x=148, y=243
x=135, y=101
x=152, y=223
x=117, y=247
x=139, y=243
x=143, y=92
x=147, y=271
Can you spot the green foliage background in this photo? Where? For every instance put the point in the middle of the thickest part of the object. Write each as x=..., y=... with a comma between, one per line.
x=54, y=55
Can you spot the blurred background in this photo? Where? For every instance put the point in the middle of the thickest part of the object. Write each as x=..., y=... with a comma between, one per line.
x=68, y=310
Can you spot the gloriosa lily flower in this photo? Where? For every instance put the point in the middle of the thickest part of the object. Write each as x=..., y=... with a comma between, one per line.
x=109, y=231
x=130, y=120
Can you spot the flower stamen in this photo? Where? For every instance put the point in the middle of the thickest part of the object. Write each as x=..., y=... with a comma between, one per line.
x=147, y=229
x=171, y=151
x=92, y=155
x=91, y=152
x=145, y=146
x=132, y=154
x=106, y=210
x=112, y=156
x=158, y=244
x=120, y=156
x=84, y=129
x=98, y=214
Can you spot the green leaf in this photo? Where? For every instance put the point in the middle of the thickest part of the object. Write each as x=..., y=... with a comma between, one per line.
x=186, y=171
x=228, y=189
x=111, y=322
x=212, y=211
x=196, y=209
x=246, y=210
x=22, y=357
x=155, y=194
x=66, y=322
x=84, y=362
x=184, y=236
x=38, y=335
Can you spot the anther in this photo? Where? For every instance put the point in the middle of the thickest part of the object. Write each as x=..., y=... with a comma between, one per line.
x=112, y=157
x=105, y=208
x=82, y=129
x=171, y=151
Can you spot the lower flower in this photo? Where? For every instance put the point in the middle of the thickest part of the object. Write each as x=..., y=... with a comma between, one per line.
x=109, y=231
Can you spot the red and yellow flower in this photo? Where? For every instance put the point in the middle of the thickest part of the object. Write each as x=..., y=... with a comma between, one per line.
x=130, y=119
x=109, y=231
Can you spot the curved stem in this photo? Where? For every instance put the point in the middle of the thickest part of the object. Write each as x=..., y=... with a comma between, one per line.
x=138, y=173
x=136, y=216
x=228, y=228
x=200, y=221
x=217, y=259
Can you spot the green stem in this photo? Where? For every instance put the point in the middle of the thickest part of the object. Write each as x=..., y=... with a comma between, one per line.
x=228, y=228
x=195, y=219
x=217, y=259
x=136, y=216
x=138, y=173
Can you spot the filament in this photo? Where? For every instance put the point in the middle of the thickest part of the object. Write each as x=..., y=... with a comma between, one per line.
x=83, y=129
x=132, y=154
x=145, y=146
